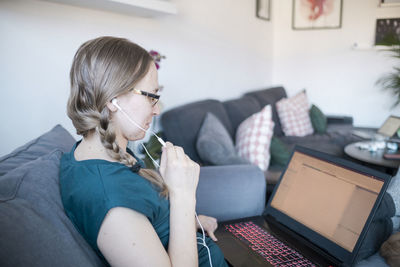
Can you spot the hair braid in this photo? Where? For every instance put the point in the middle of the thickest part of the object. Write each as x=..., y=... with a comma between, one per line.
x=107, y=137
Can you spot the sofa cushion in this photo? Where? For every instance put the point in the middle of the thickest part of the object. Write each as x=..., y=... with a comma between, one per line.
x=294, y=115
x=57, y=137
x=318, y=120
x=374, y=261
x=254, y=136
x=214, y=144
x=34, y=229
x=390, y=249
x=270, y=96
x=181, y=125
x=280, y=153
x=240, y=109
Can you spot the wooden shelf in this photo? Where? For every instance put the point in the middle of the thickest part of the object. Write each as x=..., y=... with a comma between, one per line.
x=142, y=8
x=357, y=46
x=389, y=4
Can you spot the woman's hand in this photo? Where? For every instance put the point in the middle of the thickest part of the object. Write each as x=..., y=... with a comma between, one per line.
x=180, y=173
x=209, y=225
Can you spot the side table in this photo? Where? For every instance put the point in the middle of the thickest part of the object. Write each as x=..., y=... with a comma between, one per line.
x=371, y=158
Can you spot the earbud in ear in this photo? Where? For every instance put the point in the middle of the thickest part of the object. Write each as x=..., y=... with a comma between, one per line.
x=114, y=101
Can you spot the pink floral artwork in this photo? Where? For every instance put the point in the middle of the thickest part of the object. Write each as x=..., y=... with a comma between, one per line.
x=317, y=14
x=316, y=8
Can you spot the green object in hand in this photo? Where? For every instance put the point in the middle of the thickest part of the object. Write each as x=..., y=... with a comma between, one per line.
x=318, y=120
x=154, y=149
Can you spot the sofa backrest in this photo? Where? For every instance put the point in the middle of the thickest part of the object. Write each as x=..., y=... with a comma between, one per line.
x=182, y=124
x=270, y=96
x=57, y=137
x=34, y=229
x=240, y=109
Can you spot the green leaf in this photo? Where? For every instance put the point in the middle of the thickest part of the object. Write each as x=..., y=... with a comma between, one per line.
x=391, y=81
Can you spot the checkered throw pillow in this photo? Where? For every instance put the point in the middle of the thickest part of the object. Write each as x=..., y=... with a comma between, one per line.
x=294, y=115
x=253, y=138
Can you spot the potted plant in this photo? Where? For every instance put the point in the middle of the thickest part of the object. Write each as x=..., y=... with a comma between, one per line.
x=391, y=81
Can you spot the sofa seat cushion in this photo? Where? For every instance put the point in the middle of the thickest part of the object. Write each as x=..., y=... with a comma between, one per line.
x=214, y=144
x=316, y=142
x=273, y=174
x=34, y=228
x=331, y=143
x=57, y=137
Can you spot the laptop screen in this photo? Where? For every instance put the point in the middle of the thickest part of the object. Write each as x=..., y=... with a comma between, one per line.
x=331, y=200
x=390, y=126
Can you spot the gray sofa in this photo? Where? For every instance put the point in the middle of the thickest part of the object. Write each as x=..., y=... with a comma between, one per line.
x=181, y=125
x=34, y=230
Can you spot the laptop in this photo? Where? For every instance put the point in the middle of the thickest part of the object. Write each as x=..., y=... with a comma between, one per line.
x=317, y=215
x=388, y=129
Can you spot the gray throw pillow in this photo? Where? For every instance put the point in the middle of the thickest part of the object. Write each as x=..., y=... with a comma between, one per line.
x=34, y=228
x=214, y=144
x=57, y=137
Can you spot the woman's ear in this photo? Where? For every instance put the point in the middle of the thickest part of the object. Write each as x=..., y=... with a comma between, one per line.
x=111, y=106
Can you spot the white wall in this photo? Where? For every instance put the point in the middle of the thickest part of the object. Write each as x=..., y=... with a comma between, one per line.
x=214, y=49
x=338, y=79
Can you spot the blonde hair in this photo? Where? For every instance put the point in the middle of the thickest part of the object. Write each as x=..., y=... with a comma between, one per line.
x=102, y=69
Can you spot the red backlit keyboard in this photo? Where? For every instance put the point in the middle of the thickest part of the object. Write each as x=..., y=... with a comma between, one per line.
x=266, y=245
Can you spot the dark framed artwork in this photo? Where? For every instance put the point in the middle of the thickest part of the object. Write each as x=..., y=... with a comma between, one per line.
x=387, y=31
x=316, y=14
x=389, y=3
x=263, y=9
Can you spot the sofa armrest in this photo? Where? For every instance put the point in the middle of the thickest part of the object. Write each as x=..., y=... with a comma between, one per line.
x=231, y=192
x=332, y=119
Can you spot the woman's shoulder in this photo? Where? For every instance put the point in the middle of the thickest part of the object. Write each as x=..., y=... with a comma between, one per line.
x=110, y=174
x=99, y=173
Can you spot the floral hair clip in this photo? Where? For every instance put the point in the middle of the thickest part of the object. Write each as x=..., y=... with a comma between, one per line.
x=156, y=57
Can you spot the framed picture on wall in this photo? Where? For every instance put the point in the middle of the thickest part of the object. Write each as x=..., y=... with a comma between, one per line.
x=387, y=31
x=389, y=3
x=316, y=14
x=263, y=9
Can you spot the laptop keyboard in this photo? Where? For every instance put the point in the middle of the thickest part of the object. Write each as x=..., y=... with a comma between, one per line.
x=266, y=245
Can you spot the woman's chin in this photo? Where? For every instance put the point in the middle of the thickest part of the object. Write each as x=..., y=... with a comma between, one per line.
x=136, y=136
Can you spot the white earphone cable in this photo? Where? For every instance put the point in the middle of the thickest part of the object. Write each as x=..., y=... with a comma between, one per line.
x=148, y=154
x=203, y=240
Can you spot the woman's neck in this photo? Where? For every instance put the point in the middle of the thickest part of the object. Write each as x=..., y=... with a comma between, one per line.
x=91, y=148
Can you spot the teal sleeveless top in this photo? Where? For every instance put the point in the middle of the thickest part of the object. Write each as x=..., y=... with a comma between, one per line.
x=90, y=188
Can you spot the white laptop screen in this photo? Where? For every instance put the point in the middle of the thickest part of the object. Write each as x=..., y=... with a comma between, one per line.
x=331, y=200
x=390, y=126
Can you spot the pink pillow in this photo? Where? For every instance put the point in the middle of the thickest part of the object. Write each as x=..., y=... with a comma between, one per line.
x=253, y=138
x=294, y=115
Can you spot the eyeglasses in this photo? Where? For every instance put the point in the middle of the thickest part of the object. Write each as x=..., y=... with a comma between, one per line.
x=153, y=97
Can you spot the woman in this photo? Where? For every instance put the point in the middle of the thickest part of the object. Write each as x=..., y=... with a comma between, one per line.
x=131, y=216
